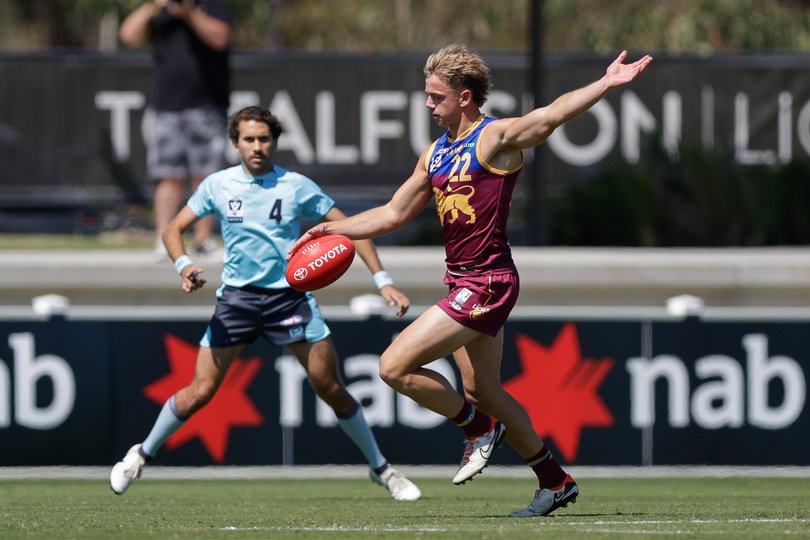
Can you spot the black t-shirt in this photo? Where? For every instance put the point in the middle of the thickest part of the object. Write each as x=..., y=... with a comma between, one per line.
x=187, y=72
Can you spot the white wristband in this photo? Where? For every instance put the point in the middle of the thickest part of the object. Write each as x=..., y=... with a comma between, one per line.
x=382, y=279
x=181, y=262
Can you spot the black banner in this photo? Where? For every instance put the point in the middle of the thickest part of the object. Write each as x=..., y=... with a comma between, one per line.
x=599, y=392
x=357, y=123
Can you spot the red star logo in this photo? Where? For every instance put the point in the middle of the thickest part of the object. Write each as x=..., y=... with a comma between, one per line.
x=558, y=388
x=230, y=406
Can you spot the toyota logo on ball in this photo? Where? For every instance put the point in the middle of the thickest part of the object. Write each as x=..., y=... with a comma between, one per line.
x=300, y=274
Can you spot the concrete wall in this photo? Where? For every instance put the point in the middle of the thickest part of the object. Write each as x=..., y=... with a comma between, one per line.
x=550, y=277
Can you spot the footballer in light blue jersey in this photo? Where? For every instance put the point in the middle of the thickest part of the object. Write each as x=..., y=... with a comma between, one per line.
x=260, y=205
x=260, y=217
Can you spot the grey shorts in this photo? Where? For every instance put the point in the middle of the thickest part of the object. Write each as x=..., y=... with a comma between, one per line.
x=280, y=316
x=184, y=143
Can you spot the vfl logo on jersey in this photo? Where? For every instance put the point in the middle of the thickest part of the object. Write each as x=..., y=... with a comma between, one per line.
x=461, y=298
x=235, y=211
x=454, y=203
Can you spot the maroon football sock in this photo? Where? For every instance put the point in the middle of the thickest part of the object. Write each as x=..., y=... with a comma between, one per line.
x=472, y=421
x=548, y=471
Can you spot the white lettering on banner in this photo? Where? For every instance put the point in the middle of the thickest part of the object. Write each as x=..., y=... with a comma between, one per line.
x=5, y=396
x=672, y=123
x=499, y=104
x=420, y=136
x=325, y=132
x=596, y=150
x=720, y=402
x=785, y=136
x=291, y=379
x=373, y=128
x=635, y=119
x=803, y=127
x=120, y=104
x=626, y=126
x=295, y=136
x=643, y=374
x=742, y=130
x=761, y=370
x=376, y=397
x=28, y=369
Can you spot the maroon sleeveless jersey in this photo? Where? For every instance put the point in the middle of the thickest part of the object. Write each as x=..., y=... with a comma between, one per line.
x=472, y=199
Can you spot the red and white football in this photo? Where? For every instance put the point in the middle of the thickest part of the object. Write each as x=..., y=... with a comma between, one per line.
x=320, y=262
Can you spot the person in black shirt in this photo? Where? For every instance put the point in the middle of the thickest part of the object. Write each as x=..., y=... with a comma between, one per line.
x=190, y=93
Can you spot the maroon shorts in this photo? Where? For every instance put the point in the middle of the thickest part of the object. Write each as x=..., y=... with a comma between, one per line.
x=481, y=302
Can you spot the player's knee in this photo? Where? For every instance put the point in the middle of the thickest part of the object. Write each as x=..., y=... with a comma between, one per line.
x=331, y=391
x=390, y=375
x=200, y=394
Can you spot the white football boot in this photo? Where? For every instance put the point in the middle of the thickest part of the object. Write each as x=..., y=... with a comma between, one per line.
x=477, y=452
x=400, y=488
x=127, y=470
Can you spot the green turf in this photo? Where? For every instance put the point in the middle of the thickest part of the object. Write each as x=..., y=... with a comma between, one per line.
x=355, y=508
x=118, y=240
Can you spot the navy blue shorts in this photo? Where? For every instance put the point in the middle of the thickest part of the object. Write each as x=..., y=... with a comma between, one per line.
x=281, y=316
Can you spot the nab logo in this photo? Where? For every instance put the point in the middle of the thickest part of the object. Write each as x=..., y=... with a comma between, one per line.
x=230, y=407
x=560, y=389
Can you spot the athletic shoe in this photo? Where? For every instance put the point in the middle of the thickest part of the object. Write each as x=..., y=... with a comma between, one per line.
x=477, y=451
x=209, y=246
x=127, y=471
x=400, y=488
x=547, y=500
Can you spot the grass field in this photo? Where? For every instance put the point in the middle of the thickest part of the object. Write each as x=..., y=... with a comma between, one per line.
x=113, y=240
x=357, y=509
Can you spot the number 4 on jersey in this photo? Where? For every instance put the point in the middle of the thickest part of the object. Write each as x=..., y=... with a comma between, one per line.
x=275, y=212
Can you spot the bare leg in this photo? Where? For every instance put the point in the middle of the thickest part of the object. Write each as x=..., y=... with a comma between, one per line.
x=433, y=335
x=169, y=196
x=320, y=362
x=212, y=366
x=480, y=364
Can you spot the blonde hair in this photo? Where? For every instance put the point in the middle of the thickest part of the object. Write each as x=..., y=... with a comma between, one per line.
x=461, y=68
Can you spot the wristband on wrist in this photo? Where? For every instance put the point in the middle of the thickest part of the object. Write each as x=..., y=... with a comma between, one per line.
x=181, y=262
x=382, y=279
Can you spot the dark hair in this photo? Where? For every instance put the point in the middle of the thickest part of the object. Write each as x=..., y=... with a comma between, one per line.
x=259, y=114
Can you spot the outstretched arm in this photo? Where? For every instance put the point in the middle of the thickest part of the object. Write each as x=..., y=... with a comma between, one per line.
x=535, y=127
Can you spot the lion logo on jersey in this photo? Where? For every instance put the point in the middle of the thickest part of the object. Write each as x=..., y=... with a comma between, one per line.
x=452, y=203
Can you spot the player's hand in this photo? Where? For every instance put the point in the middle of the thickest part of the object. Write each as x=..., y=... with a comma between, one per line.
x=619, y=73
x=315, y=232
x=192, y=278
x=394, y=297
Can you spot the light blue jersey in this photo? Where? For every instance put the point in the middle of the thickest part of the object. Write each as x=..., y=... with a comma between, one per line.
x=260, y=219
